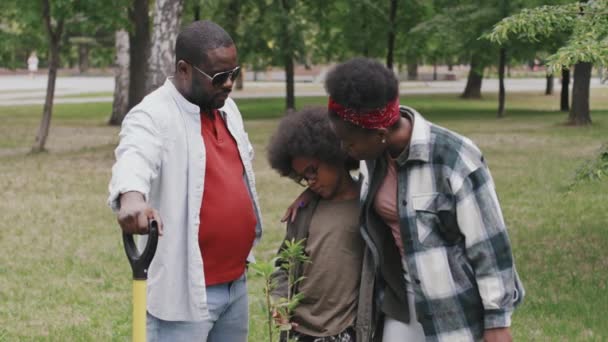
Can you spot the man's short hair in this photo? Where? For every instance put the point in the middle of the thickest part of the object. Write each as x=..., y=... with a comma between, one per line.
x=196, y=39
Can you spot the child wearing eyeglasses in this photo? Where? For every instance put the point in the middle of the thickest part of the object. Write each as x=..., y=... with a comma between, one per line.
x=305, y=149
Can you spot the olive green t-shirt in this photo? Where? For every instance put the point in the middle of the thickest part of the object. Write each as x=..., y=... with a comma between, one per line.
x=331, y=285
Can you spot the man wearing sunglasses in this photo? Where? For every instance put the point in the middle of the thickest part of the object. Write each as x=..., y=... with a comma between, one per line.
x=184, y=159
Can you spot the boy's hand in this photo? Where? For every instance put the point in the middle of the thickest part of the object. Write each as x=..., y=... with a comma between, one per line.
x=282, y=321
x=135, y=214
x=497, y=335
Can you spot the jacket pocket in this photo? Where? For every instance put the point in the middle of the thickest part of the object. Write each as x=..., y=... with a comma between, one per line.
x=436, y=219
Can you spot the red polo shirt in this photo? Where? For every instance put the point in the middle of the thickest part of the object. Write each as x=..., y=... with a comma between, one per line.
x=227, y=218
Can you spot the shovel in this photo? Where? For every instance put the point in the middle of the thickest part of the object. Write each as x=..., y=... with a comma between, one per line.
x=139, y=265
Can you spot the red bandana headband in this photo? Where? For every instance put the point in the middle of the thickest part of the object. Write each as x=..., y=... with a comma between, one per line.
x=378, y=118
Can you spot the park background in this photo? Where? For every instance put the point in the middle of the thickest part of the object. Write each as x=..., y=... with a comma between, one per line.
x=523, y=79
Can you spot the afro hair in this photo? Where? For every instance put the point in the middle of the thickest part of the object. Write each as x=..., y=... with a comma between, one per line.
x=306, y=133
x=362, y=84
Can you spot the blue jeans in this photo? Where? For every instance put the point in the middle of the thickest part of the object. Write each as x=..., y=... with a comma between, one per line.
x=228, y=321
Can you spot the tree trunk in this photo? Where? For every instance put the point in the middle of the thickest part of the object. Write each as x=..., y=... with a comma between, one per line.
x=564, y=104
x=435, y=71
x=290, y=101
x=83, y=58
x=161, y=62
x=501, y=82
x=54, y=36
x=289, y=84
x=233, y=11
x=473, y=88
x=197, y=11
x=240, y=80
x=502, y=64
x=121, y=79
x=579, y=113
x=412, y=71
x=549, y=87
x=391, y=35
x=364, y=27
x=139, y=48
x=47, y=112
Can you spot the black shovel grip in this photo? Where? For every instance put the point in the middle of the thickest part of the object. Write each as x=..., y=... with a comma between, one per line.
x=141, y=262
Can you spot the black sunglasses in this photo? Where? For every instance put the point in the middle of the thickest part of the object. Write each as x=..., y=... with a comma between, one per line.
x=221, y=77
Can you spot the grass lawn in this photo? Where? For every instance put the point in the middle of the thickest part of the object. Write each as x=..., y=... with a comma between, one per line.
x=64, y=275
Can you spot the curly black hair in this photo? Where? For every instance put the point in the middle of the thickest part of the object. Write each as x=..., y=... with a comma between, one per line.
x=306, y=133
x=362, y=84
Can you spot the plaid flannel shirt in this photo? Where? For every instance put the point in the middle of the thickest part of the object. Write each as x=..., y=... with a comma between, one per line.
x=456, y=245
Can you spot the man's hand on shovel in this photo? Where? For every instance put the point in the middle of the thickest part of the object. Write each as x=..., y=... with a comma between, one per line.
x=135, y=214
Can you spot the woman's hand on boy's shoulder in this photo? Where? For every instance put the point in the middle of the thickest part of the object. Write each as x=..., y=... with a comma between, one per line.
x=301, y=201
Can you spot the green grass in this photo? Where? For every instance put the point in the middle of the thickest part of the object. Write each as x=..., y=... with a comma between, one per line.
x=64, y=276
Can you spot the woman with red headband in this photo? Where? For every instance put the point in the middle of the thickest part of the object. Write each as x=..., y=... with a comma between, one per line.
x=430, y=215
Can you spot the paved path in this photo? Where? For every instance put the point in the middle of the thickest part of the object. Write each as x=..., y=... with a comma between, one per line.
x=23, y=90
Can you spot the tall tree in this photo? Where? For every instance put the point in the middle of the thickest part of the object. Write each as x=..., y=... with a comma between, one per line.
x=161, y=61
x=58, y=17
x=196, y=9
x=472, y=89
x=564, y=99
x=346, y=28
x=413, y=47
x=139, y=49
x=120, y=104
x=502, y=61
x=281, y=29
x=579, y=112
x=549, y=84
x=412, y=69
x=391, y=34
x=247, y=23
x=54, y=23
x=458, y=24
x=587, y=44
x=287, y=36
x=84, y=45
x=501, y=82
x=231, y=25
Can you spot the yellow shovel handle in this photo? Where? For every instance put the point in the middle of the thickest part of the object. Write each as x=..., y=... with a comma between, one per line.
x=139, y=264
x=139, y=311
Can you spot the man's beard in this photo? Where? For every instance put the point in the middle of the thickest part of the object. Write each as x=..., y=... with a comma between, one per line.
x=197, y=95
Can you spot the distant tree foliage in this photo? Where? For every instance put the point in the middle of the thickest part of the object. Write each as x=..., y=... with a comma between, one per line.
x=587, y=44
x=586, y=22
x=87, y=39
